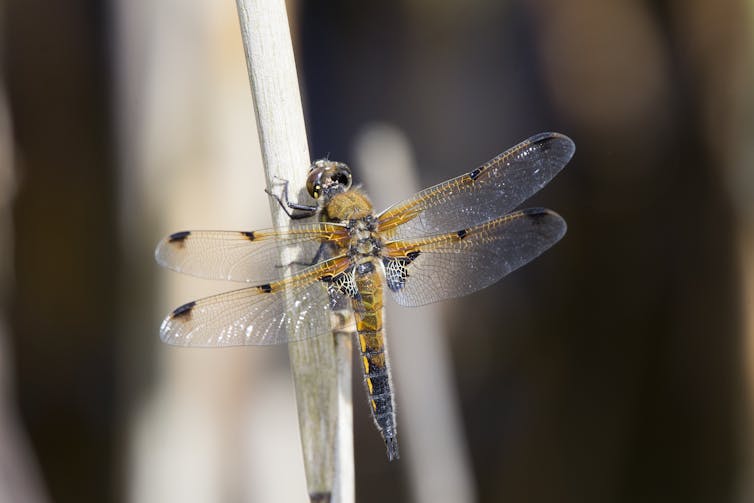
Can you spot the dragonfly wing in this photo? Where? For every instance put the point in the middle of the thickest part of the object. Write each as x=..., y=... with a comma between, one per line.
x=427, y=270
x=292, y=309
x=252, y=257
x=491, y=190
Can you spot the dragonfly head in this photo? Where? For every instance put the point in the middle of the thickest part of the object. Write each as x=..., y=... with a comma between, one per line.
x=327, y=178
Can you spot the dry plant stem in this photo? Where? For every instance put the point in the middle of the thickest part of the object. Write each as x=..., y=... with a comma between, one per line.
x=279, y=115
x=344, y=489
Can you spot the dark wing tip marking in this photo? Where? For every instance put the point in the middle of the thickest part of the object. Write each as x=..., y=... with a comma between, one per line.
x=183, y=312
x=266, y=288
x=548, y=135
x=545, y=138
x=178, y=237
x=542, y=216
x=462, y=233
x=537, y=213
x=248, y=235
x=540, y=137
x=544, y=142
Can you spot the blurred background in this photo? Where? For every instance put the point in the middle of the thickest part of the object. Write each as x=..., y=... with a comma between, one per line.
x=617, y=367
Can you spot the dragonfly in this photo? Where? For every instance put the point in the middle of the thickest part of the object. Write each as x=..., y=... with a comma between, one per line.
x=446, y=241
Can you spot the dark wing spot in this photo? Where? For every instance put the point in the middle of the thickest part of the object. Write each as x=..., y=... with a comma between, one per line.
x=475, y=174
x=266, y=288
x=327, y=278
x=412, y=255
x=178, y=237
x=536, y=214
x=183, y=312
x=462, y=233
x=540, y=138
x=248, y=235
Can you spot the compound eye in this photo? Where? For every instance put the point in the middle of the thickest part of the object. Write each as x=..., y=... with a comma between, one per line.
x=327, y=177
x=342, y=177
x=314, y=184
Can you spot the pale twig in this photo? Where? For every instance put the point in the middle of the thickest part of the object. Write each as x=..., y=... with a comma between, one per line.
x=277, y=102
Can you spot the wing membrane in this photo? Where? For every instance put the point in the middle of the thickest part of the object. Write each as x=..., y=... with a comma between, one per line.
x=458, y=263
x=259, y=315
x=489, y=191
x=252, y=257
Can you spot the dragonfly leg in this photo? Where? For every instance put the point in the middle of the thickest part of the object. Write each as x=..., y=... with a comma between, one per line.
x=290, y=208
x=324, y=250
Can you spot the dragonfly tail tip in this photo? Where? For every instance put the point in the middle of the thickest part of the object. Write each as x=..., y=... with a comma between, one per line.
x=392, y=448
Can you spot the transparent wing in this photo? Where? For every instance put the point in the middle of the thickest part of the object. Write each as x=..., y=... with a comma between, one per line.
x=252, y=257
x=493, y=189
x=259, y=315
x=454, y=264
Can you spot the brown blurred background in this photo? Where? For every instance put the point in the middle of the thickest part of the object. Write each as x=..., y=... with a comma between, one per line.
x=618, y=367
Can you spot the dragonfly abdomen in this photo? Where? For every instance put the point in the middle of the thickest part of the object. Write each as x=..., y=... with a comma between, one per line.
x=368, y=311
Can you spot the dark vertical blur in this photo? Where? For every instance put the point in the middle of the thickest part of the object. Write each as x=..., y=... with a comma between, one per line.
x=65, y=251
x=611, y=368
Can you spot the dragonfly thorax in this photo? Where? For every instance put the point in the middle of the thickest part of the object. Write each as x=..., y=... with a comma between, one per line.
x=364, y=242
x=348, y=206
